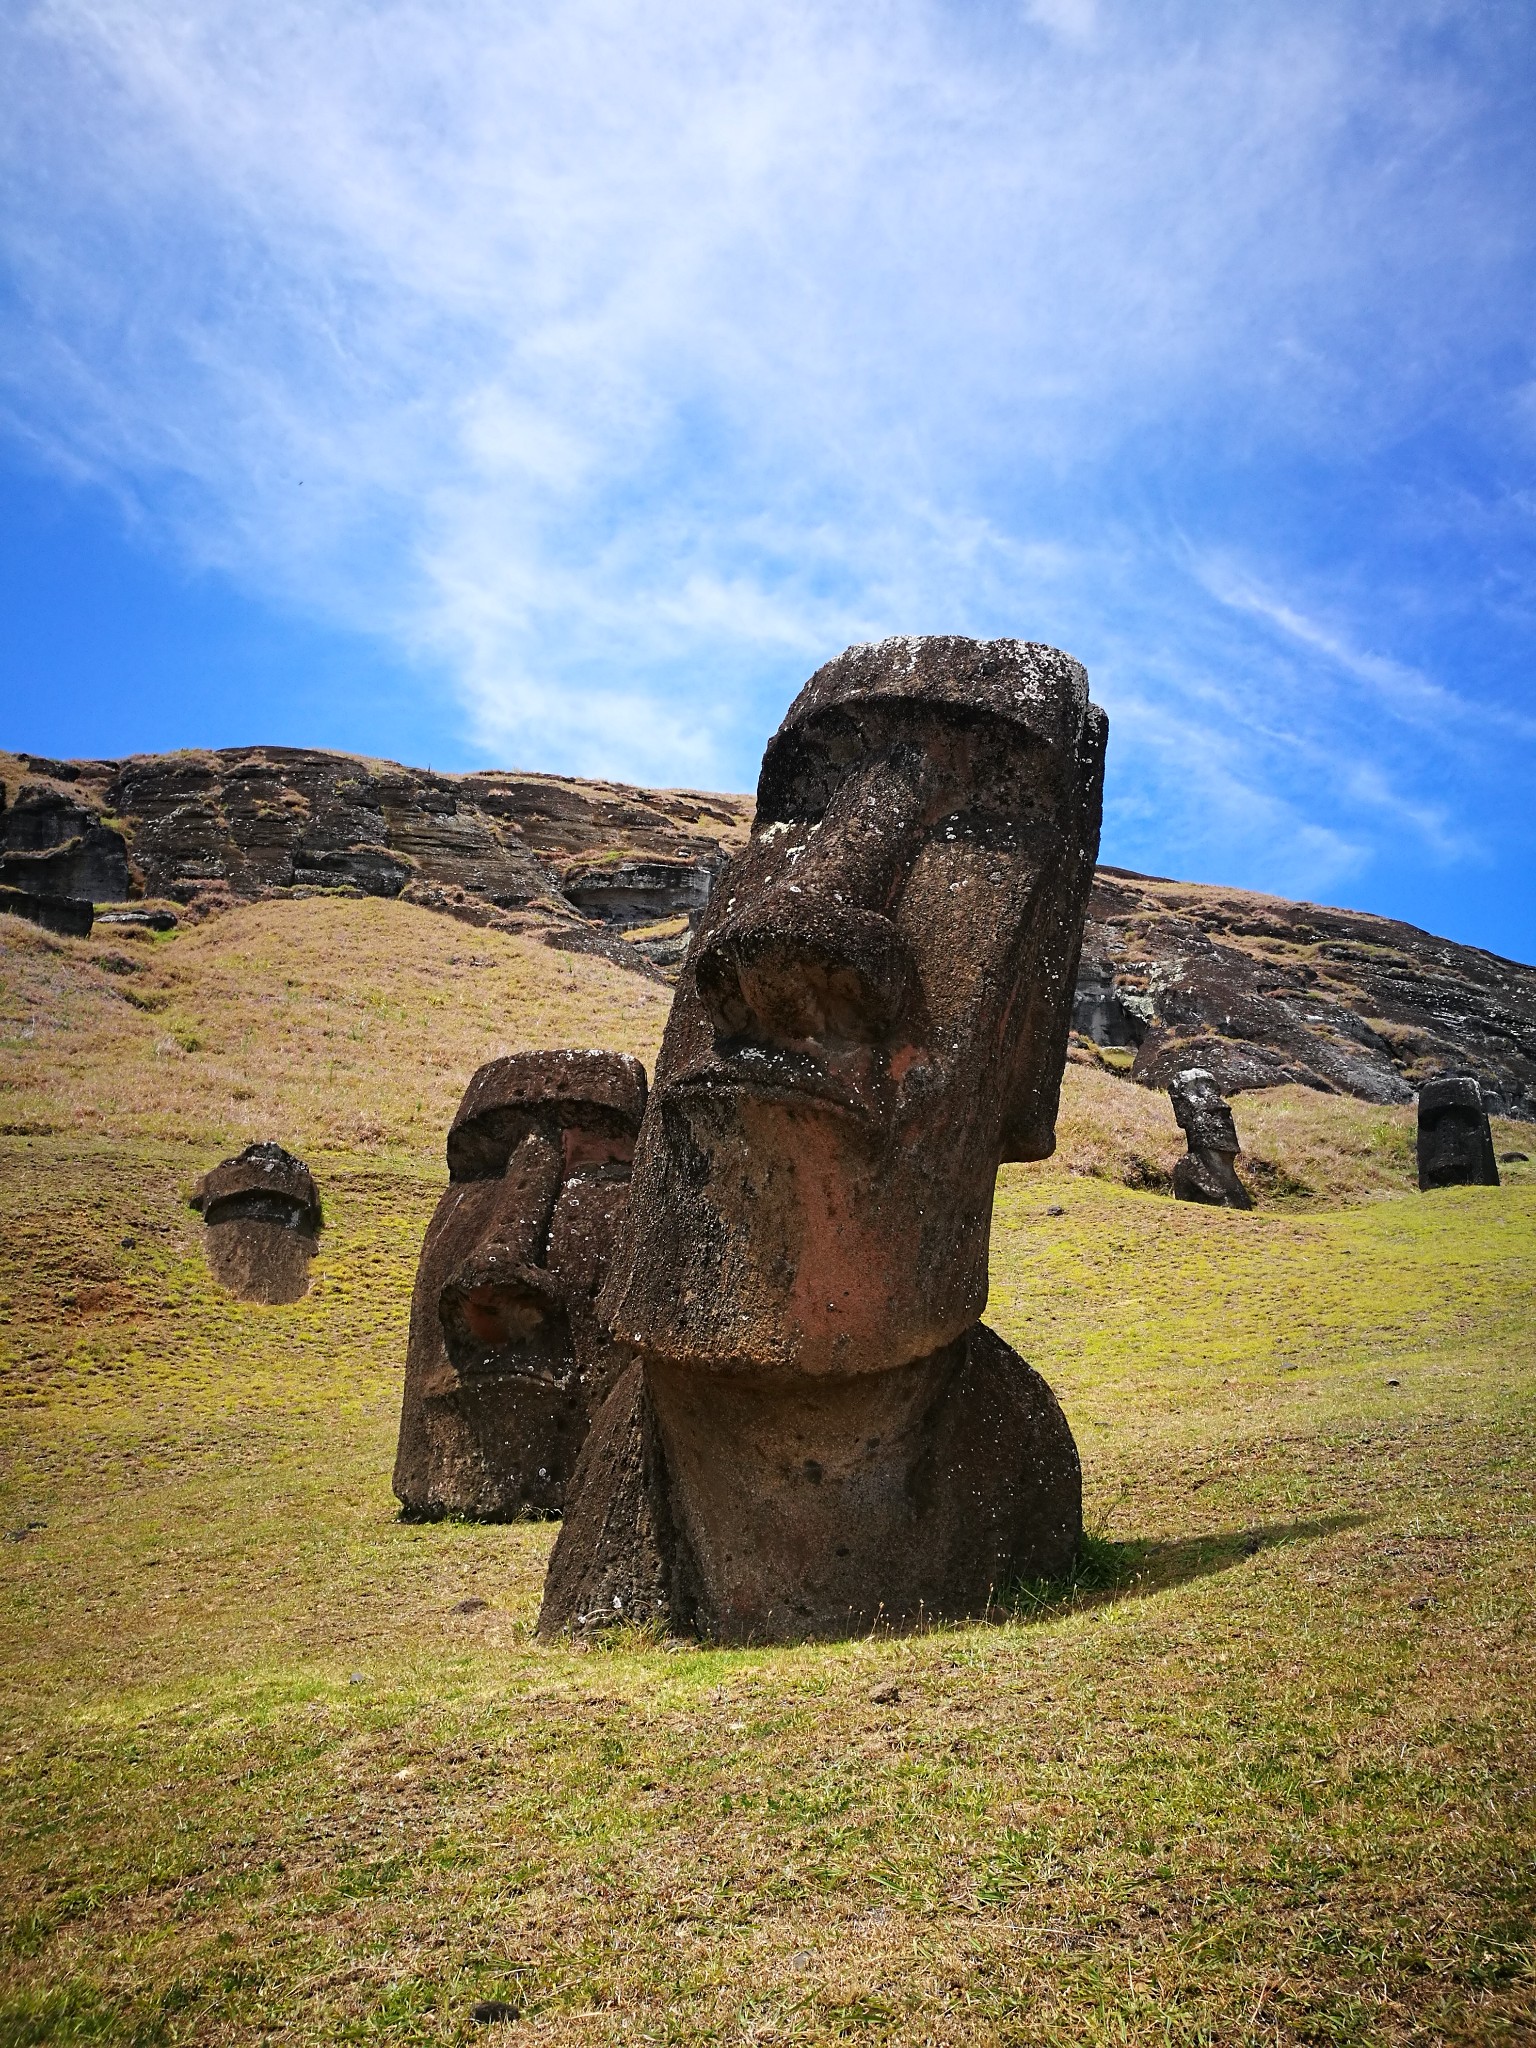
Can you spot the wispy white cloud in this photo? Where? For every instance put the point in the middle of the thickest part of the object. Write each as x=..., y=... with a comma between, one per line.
x=626, y=360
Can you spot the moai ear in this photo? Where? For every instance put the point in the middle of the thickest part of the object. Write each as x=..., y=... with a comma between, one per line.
x=1043, y=1020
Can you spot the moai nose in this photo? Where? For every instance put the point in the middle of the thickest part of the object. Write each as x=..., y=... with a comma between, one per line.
x=808, y=970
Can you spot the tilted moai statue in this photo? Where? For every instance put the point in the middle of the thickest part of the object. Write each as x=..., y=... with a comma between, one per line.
x=1206, y=1173
x=263, y=1221
x=507, y=1357
x=817, y=1434
x=1455, y=1142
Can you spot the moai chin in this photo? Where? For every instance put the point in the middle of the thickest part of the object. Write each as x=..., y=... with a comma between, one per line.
x=262, y=1217
x=506, y=1355
x=817, y=1435
x=1455, y=1142
x=1207, y=1172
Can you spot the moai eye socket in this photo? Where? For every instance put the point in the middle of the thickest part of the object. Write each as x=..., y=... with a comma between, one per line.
x=480, y=1146
x=588, y=1145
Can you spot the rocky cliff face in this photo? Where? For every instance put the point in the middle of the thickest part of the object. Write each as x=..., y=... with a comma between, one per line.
x=53, y=841
x=1259, y=990
x=586, y=860
x=1262, y=991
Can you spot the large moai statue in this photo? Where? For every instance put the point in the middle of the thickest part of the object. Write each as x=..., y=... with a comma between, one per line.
x=1455, y=1143
x=1208, y=1171
x=263, y=1221
x=507, y=1357
x=816, y=1434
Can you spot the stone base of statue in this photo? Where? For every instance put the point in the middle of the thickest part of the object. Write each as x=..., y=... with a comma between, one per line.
x=752, y=1510
x=1210, y=1177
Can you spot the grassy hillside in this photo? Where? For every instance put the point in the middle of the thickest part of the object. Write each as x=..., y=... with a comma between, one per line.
x=336, y=1025
x=350, y=1026
x=1265, y=1775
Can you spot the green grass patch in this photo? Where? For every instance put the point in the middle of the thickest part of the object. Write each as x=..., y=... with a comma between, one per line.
x=1259, y=1772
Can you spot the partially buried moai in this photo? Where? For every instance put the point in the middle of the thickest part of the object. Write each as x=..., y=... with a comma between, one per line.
x=816, y=1434
x=1208, y=1170
x=506, y=1356
x=1455, y=1142
x=262, y=1217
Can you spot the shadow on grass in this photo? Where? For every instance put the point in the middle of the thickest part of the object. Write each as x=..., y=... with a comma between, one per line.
x=1107, y=1572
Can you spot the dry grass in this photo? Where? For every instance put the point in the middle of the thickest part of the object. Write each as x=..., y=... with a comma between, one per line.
x=1265, y=1778
x=336, y=1025
x=333, y=1025
x=263, y=1782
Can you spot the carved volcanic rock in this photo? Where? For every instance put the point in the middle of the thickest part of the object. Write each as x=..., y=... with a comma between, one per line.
x=1261, y=991
x=818, y=1435
x=1207, y=1172
x=263, y=1222
x=1455, y=1145
x=507, y=1358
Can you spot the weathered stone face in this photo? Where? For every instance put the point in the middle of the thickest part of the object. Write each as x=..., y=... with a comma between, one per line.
x=1455, y=1146
x=263, y=1219
x=507, y=1356
x=1207, y=1173
x=873, y=1015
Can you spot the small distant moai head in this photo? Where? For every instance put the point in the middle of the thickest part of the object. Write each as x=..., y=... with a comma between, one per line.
x=873, y=1015
x=1207, y=1172
x=262, y=1218
x=1455, y=1142
x=507, y=1356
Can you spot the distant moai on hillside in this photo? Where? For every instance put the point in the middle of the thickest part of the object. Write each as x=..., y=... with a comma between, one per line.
x=262, y=1217
x=1207, y=1172
x=506, y=1358
x=1455, y=1142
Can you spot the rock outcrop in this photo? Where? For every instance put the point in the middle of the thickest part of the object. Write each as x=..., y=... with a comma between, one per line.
x=54, y=844
x=1257, y=990
x=71, y=916
x=1260, y=991
x=583, y=862
x=817, y=1435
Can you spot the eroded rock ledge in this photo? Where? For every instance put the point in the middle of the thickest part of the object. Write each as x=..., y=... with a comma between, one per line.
x=1256, y=989
x=1261, y=991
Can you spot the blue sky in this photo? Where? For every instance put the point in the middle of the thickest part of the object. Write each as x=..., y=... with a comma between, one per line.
x=558, y=385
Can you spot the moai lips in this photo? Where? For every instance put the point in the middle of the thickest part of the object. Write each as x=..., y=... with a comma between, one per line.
x=873, y=1014
x=1455, y=1145
x=263, y=1221
x=1207, y=1172
x=507, y=1356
